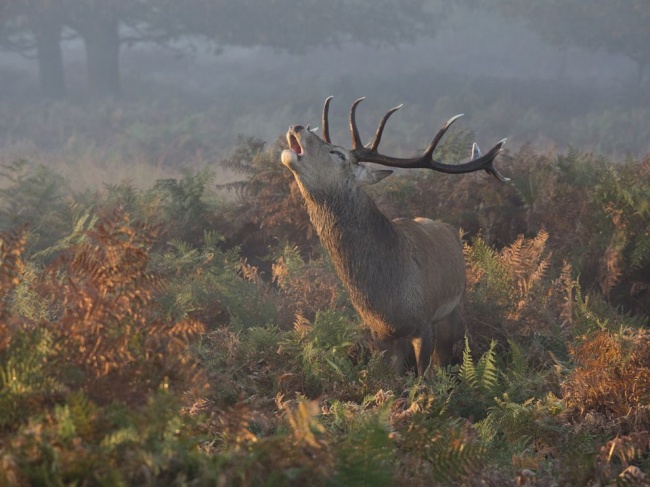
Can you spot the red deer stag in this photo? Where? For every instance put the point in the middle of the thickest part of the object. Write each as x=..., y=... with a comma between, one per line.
x=406, y=278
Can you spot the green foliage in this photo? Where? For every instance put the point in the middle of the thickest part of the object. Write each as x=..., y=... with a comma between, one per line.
x=479, y=383
x=215, y=292
x=186, y=202
x=324, y=349
x=481, y=376
x=25, y=376
x=443, y=451
x=365, y=454
x=81, y=442
x=492, y=288
x=525, y=428
x=34, y=196
x=623, y=195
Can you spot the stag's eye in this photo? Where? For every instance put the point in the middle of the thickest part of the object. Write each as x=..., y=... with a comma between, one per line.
x=338, y=154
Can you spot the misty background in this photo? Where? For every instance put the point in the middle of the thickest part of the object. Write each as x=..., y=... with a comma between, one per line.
x=112, y=90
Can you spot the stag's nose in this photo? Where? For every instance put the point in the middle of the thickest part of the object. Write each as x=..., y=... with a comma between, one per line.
x=296, y=128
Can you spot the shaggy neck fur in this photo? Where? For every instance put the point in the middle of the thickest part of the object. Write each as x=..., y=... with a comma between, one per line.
x=358, y=237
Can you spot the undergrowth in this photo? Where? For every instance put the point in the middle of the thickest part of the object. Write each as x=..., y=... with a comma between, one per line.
x=174, y=336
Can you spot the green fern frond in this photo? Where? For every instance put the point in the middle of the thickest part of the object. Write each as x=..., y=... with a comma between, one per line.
x=64, y=422
x=448, y=448
x=640, y=255
x=84, y=414
x=244, y=155
x=78, y=234
x=365, y=457
x=486, y=370
x=25, y=377
x=518, y=360
x=518, y=425
x=452, y=459
x=467, y=373
x=483, y=375
x=324, y=349
x=118, y=439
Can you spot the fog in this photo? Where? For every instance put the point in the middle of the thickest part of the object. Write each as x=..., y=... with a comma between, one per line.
x=496, y=69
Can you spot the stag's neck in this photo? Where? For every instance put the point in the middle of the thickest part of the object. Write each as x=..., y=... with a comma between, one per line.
x=360, y=239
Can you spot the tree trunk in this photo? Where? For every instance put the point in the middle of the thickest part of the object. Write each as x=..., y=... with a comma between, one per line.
x=50, y=58
x=102, y=43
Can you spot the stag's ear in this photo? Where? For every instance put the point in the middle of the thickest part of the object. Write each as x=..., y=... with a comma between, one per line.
x=366, y=176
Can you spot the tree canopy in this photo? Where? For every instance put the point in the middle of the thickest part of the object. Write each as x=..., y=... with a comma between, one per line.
x=285, y=24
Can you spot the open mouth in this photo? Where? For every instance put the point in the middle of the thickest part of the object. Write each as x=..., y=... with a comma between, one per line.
x=294, y=144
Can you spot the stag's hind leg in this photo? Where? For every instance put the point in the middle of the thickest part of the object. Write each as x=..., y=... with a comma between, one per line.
x=447, y=331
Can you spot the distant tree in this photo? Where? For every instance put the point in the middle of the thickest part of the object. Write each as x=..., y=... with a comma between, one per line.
x=105, y=25
x=101, y=24
x=621, y=27
x=34, y=28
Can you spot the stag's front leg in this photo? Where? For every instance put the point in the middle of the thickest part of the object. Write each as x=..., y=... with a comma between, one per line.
x=397, y=353
x=423, y=348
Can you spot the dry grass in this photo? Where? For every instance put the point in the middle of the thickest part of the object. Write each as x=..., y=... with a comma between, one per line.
x=87, y=167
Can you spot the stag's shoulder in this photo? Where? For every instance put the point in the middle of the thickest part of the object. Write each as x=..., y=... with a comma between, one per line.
x=425, y=229
x=437, y=227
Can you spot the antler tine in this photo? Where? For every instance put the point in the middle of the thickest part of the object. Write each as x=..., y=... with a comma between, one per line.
x=490, y=169
x=436, y=140
x=380, y=128
x=326, y=125
x=356, y=138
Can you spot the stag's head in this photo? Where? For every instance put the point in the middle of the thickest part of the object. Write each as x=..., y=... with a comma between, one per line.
x=319, y=164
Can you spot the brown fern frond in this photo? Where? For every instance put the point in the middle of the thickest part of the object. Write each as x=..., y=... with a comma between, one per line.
x=612, y=262
x=510, y=256
x=612, y=378
x=612, y=267
x=627, y=449
x=526, y=263
x=12, y=248
x=538, y=273
x=250, y=273
x=306, y=287
x=523, y=259
x=539, y=241
x=566, y=286
x=104, y=317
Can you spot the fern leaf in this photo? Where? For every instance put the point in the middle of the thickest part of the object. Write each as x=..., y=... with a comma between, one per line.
x=486, y=370
x=468, y=373
x=453, y=454
x=641, y=252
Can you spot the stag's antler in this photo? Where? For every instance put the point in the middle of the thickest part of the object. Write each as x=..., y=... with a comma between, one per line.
x=369, y=153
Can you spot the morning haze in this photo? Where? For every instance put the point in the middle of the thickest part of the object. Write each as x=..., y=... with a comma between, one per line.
x=204, y=73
